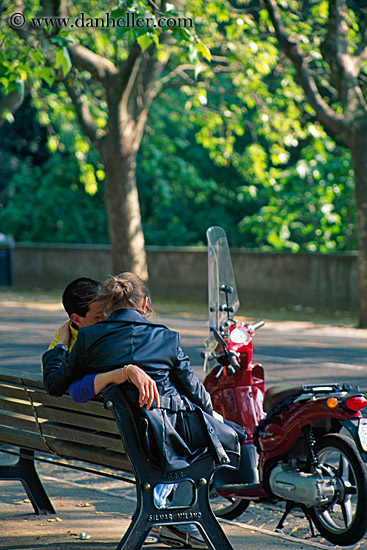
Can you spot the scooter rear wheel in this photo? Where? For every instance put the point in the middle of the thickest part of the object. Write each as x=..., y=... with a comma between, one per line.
x=343, y=521
x=227, y=508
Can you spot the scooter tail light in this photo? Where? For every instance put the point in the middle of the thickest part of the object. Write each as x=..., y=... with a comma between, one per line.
x=356, y=402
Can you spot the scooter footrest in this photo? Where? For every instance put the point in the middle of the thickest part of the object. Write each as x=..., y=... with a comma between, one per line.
x=238, y=486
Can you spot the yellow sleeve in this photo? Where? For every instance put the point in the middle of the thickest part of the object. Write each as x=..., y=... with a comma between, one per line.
x=54, y=341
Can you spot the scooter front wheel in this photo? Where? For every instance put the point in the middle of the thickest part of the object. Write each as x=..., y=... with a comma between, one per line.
x=344, y=520
x=227, y=508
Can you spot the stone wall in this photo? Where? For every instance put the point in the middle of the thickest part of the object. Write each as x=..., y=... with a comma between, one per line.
x=274, y=279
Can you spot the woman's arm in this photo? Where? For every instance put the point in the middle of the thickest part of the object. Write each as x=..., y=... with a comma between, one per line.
x=92, y=384
x=82, y=390
x=145, y=384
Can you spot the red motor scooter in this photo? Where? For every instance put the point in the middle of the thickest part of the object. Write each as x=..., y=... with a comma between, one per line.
x=306, y=445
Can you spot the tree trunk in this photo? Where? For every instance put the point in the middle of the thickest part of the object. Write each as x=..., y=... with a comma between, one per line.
x=128, y=111
x=123, y=210
x=359, y=157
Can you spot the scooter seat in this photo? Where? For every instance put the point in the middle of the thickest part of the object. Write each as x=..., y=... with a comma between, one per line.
x=277, y=394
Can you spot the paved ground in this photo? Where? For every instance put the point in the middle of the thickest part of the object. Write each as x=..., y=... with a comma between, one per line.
x=291, y=352
x=102, y=509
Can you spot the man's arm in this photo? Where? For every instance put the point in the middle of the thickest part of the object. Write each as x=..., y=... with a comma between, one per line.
x=52, y=345
x=56, y=372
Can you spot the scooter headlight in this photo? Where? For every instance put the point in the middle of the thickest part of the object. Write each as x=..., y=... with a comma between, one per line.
x=239, y=336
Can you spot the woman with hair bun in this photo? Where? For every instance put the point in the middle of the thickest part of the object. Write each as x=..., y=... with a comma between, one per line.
x=180, y=418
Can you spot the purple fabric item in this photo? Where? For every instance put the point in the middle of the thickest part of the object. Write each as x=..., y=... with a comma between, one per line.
x=82, y=390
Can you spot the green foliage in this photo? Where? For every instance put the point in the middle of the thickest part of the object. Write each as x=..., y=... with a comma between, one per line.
x=49, y=204
x=181, y=190
x=297, y=184
x=53, y=192
x=308, y=206
x=22, y=143
x=25, y=64
x=236, y=145
x=56, y=113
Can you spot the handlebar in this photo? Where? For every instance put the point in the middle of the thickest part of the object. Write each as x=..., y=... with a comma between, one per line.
x=256, y=325
x=219, y=338
x=229, y=358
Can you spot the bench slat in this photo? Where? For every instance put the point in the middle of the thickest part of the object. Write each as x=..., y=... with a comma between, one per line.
x=21, y=438
x=18, y=421
x=34, y=380
x=20, y=407
x=67, y=450
x=13, y=392
x=23, y=393
x=91, y=407
x=78, y=435
x=69, y=418
x=109, y=459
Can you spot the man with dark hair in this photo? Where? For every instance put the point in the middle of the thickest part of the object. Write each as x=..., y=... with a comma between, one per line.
x=78, y=295
x=79, y=303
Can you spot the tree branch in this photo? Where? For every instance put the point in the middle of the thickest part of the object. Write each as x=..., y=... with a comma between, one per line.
x=151, y=77
x=324, y=113
x=53, y=8
x=252, y=8
x=335, y=48
x=130, y=84
x=128, y=66
x=345, y=66
x=168, y=80
x=142, y=74
x=84, y=59
x=361, y=50
x=83, y=114
x=24, y=32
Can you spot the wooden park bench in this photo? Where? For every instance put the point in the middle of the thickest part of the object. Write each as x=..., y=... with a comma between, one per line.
x=101, y=433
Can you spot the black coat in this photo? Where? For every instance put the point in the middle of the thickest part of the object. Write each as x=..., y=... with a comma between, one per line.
x=183, y=427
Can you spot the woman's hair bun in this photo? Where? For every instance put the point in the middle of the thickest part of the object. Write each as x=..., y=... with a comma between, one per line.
x=124, y=287
x=125, y=290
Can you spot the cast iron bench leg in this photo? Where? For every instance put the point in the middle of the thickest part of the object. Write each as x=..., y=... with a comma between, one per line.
x=136, y=533
x=208, y=524
x=140, y=527
x=214, y=536
x=24, y=470
x=147, y=476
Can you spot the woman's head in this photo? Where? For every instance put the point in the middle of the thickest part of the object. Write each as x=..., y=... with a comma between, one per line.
x=126, y=290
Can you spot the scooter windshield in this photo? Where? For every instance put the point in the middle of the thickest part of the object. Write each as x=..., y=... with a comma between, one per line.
x=220, y=272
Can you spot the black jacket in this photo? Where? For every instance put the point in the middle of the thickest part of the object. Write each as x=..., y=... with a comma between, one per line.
x=183, y=426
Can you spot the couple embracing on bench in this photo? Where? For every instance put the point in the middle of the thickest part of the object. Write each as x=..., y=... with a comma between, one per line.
x=108, y=339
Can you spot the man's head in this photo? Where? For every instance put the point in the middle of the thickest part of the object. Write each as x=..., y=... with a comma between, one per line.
x=79, y=302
